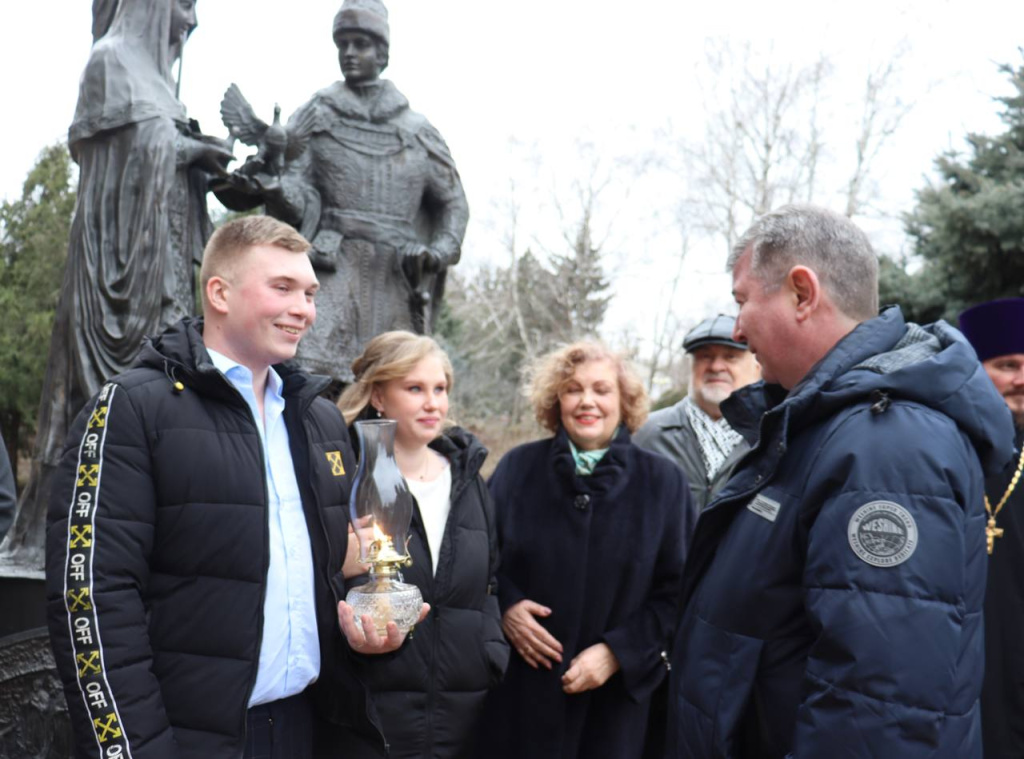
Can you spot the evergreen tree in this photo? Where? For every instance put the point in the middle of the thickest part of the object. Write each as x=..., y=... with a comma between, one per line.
x=33, y=247
x=968, y=229
x=581, y=284
x=542, y=312
x=496, y=323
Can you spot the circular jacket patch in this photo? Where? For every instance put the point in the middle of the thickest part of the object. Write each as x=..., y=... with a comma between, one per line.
x=882, y=533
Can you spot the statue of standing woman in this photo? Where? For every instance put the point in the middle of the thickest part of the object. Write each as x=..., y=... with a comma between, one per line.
x=140, y=220
x=371, y=183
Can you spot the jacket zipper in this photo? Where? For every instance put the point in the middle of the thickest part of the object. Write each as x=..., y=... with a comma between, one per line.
x=328, y=569
x=440, y=584
x=266, y=567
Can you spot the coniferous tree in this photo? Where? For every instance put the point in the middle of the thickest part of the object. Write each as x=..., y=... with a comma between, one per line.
x=495, y=323
x=968, y=228
x=581, y=284
x=33, y=247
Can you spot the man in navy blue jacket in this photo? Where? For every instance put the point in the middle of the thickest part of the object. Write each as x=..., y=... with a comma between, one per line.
x=833, y=592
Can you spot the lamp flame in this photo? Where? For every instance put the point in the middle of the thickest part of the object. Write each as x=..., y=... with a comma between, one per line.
x=382, y=548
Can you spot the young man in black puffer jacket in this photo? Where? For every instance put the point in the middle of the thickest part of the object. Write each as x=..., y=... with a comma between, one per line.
x=197, y=530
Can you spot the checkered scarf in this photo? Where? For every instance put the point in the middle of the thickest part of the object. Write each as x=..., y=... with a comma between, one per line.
x=715, y=438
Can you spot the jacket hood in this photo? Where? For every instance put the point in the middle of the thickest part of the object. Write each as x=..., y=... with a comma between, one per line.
x=465, y=452
x=884, y=359
x=181, y=355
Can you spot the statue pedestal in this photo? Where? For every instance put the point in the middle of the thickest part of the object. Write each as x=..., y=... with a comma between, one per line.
x=22, y=599
x=33, y=715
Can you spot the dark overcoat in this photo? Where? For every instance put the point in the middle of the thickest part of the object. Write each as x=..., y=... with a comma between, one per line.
x=605, y=553
x=668, y=431
x=1002, y=696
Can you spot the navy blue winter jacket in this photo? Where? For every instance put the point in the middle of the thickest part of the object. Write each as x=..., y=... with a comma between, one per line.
x=833, y=592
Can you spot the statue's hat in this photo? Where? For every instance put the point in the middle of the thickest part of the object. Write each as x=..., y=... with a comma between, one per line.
x=364, y=16
x=995, y=328
x=714, y=331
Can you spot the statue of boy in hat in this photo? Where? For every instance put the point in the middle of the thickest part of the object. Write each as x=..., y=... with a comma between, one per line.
x=373, y=185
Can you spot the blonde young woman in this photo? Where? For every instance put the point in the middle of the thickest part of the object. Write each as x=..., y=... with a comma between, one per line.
x=429, y=694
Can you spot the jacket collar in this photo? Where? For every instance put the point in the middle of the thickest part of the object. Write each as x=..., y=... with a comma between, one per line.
x=465, y=454
x=749, y=407
x=608, y=470
x=182, y=356
x=884, y=358
x=673, y=417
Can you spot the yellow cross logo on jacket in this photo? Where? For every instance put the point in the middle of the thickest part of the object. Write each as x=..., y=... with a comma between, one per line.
x=334, y=459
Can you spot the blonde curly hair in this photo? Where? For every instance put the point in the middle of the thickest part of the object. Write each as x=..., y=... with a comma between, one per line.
x=550, y=374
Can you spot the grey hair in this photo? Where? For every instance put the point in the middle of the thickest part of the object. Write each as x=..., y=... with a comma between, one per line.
x=828, y=243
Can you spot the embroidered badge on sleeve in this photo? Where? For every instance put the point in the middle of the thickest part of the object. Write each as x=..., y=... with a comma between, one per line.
x=882, y=533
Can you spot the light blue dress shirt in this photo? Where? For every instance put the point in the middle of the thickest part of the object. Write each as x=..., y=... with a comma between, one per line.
x=290, y=649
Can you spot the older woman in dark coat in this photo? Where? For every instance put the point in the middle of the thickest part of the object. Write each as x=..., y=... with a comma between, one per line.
x=592, y=532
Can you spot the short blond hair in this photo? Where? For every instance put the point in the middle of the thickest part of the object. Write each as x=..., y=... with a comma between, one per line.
x=550, y=374
x=388, y=356
x=231, y=242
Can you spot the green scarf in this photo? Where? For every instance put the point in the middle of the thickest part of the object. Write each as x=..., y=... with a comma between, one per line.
x=586, y=461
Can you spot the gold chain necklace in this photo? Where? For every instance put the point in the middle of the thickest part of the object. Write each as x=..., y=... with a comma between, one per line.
x=991, y=531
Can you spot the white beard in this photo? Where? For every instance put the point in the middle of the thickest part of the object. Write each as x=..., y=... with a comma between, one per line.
x=712, y=395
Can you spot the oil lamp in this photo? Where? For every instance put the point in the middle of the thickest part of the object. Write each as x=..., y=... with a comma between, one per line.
x=381, y=508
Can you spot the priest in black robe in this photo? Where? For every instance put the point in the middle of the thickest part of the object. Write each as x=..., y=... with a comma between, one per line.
x=996, y=330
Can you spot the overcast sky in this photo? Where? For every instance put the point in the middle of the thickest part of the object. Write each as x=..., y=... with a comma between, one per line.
x=543, y=74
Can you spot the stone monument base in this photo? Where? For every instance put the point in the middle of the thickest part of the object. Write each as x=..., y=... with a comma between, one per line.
x=22, y=599
x=33, y=714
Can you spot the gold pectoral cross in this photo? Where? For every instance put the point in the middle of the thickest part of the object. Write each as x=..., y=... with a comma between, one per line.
x=991, y=533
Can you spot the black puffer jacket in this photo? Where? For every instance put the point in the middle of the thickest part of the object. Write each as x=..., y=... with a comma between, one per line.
x=430, y=693
x=157, y=555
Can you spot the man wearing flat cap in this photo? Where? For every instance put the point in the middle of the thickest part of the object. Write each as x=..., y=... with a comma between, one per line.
x=996, y=331
x=693, y=433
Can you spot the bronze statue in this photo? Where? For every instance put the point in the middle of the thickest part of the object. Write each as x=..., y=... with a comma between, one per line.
x=140, y=222
x=370, y=182
x=140, y=225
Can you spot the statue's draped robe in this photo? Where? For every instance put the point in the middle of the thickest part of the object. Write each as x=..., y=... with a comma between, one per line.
x=140, y=220
x=375, y=179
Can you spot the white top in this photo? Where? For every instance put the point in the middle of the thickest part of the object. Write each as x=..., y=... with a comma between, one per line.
x=434, y=499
